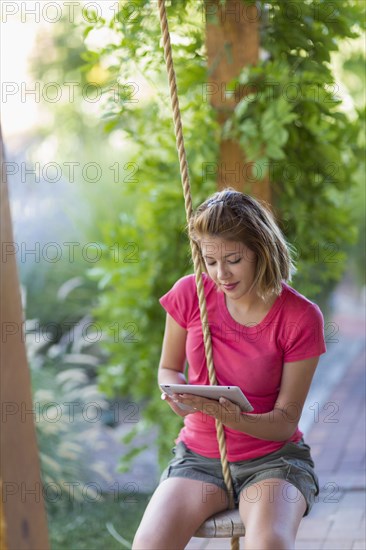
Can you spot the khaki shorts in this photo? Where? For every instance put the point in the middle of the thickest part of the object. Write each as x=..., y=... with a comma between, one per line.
x=292, y=463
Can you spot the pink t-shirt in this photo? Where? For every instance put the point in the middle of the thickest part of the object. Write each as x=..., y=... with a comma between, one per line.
x=249, y=357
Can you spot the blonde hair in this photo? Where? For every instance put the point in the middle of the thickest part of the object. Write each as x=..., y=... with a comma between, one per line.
x=235, y=216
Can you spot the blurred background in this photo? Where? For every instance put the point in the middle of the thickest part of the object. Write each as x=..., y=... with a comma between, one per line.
x=98, y=217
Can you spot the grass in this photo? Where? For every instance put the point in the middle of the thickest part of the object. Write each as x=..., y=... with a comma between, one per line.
x=84, y=525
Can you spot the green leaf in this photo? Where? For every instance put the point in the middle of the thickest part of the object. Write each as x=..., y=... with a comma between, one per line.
x=274, y=152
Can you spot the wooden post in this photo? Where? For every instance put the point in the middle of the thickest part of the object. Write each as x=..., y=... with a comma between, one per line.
x=232, y=42
x=23, y=518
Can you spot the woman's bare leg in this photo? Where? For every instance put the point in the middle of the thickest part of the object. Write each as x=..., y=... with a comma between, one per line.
x=271, y=511
x=175, y=511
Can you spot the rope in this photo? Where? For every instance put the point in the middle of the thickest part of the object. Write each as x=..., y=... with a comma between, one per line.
x=183, y=164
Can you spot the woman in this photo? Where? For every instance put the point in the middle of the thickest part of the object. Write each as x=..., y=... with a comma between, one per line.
x=266, y=339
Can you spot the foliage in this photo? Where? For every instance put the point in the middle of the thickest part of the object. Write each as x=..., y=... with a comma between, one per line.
x=349, y=64
x=59, y=426
x=45, y=284
x=93, y=525
x=64, y=399
x=59, y=404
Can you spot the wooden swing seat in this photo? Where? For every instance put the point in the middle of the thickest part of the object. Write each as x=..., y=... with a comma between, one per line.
x=225, y=524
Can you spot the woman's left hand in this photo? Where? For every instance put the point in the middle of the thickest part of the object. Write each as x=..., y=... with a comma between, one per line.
x=224, y=410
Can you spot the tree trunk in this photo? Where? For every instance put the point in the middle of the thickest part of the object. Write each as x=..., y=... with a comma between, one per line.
x=23, y=524
x=232, y=42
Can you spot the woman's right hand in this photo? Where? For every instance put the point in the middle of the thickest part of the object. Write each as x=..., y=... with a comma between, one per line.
x=175, y=406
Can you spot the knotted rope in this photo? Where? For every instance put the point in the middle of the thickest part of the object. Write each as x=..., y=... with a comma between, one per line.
x=194, y=246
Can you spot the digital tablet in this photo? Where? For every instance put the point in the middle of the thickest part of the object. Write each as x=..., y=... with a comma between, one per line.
x=233, y=393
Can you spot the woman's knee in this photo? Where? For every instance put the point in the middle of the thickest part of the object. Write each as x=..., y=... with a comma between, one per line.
x=161, y=531
x=269, y=538
x=151, y=539
x=141, y=542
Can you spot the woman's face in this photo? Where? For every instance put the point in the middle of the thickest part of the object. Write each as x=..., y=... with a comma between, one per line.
x=230, y=264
